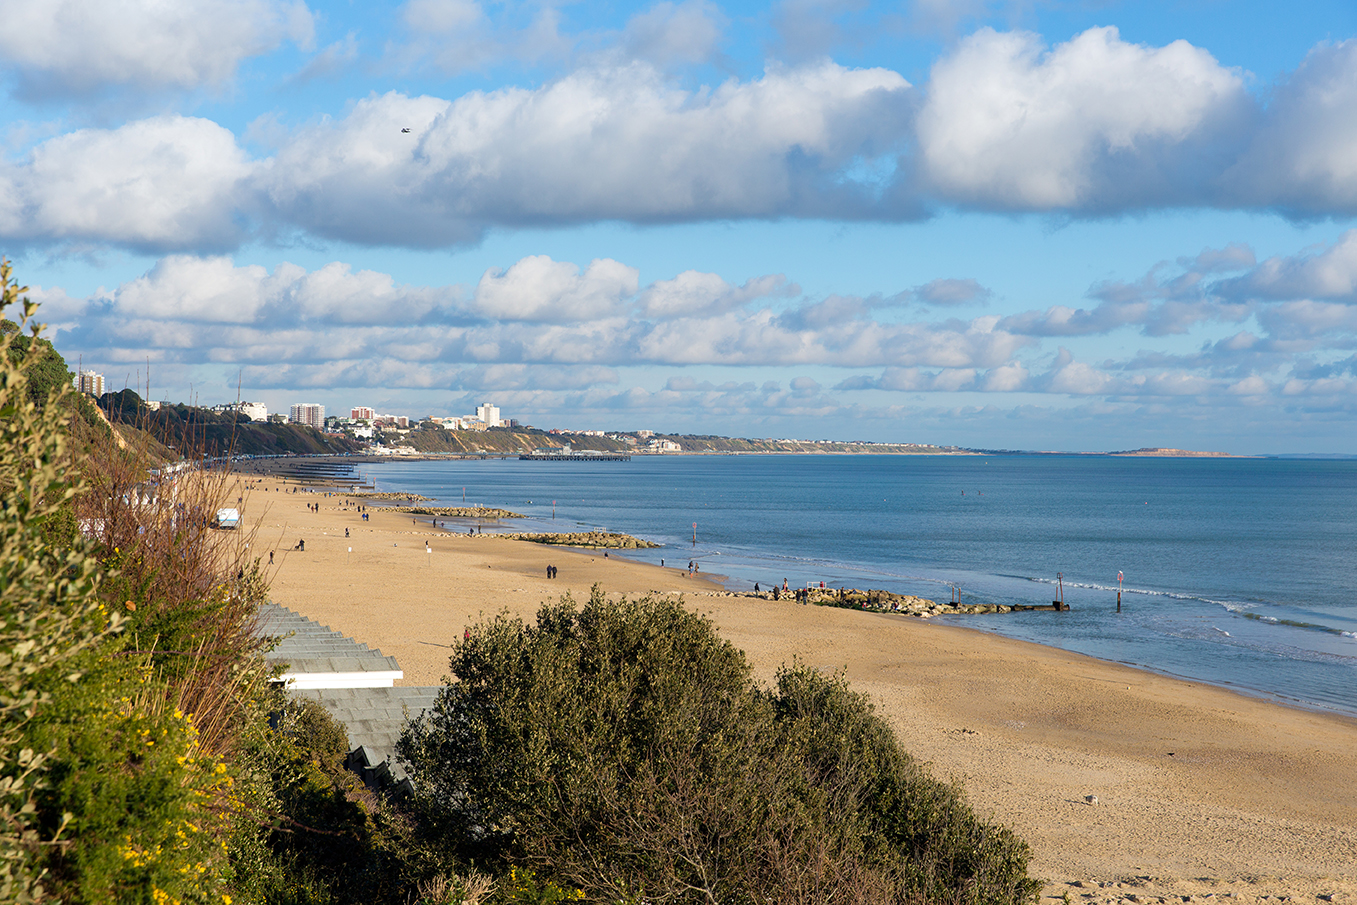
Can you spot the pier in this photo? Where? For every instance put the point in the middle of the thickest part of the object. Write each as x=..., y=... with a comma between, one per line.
x=575, y=457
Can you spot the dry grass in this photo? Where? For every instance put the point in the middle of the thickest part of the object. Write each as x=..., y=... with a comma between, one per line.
x=472, y=889
x=190, y=591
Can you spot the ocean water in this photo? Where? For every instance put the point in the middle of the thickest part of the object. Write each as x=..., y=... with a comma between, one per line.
x=1237, y=572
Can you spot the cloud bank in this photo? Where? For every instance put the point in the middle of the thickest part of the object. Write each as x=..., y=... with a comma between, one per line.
x=1290, y=322
x=1091, y=127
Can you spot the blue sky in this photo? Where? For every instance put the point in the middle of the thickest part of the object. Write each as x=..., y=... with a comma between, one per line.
x=1042, y=225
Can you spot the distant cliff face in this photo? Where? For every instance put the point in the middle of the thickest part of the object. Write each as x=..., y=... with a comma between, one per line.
x=1165, y=452
x=192, y=430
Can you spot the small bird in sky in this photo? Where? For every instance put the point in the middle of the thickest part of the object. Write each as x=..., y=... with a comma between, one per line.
x=405, y=130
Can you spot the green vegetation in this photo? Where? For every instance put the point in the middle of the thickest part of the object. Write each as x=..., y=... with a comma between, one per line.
x=616, y=753
x=437, y=441
x=623, y=749
x=189, y=428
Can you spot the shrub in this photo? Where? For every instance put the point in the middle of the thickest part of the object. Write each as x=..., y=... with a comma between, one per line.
x=108, y=790
x=624, y=749
x=322, y=837
x=50, y=612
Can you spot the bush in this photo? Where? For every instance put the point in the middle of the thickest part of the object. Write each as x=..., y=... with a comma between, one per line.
x=624, y=750
x=50, y=612
x=322, y=837
x=109, y=789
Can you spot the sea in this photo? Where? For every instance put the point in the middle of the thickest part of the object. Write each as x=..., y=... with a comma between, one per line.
x=1237, y=572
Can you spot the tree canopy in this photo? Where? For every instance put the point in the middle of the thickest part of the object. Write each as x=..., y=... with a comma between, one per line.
x=624, y=749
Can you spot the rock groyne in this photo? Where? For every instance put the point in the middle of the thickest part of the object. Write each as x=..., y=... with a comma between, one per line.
x=879, y=602
x=587, y=539
x=456, y=511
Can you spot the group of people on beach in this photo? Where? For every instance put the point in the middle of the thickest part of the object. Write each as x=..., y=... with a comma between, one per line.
x=551, y=571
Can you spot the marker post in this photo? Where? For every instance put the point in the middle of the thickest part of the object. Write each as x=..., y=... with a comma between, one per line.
x=1119, y=592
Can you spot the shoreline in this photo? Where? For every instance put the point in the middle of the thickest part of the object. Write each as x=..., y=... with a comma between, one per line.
x=736, y=584
x=1203, y=790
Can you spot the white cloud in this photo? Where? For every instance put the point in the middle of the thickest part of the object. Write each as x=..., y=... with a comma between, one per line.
x=59, y=47
x=527, y=377
x=669, y=33
x=537, y=288
x=164, y=183
x=216, y=291
x=188, y=288
x=1301, y=159
x=540, y=326
x=598, y=144
x=1008, y=378
x=458, y=35
x=1062, y=320
x=1234, y=256
x=535, y=312
x=692, y=294
x=1309, y=319
x=947, y=292
x=1329, y=273
x=1095, y=123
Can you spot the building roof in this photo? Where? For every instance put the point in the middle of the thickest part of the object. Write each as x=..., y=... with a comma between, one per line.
x=353, y=682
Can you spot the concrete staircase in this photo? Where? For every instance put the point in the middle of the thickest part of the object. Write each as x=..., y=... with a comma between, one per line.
x=354, y=683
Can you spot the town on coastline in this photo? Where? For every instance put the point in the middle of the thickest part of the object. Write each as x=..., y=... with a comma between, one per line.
x=249, y=428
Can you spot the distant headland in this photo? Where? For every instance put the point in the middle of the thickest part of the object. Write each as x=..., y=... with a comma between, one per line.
x=1166, y=453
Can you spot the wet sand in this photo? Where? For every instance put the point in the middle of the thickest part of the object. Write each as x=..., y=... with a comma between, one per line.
x=1201, y=792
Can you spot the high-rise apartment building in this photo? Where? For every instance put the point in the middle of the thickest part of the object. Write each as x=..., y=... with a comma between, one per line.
x=90, y=382
x=362, y=413
x=308, y=413
x=489, y=414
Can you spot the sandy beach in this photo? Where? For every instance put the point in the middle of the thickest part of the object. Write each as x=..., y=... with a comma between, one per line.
x=1200, y=792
